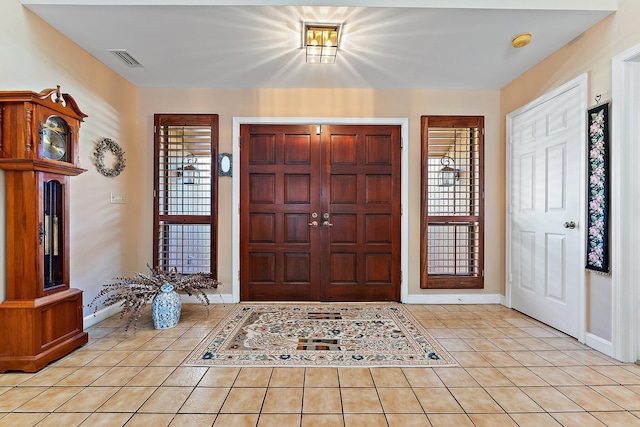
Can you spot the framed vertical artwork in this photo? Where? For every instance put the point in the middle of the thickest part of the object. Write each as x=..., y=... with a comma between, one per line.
x=598, y=188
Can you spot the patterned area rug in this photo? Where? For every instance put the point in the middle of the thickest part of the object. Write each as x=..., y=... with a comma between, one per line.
x=363, y=335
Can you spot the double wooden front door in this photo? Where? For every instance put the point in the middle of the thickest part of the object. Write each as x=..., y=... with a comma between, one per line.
x=320, y=213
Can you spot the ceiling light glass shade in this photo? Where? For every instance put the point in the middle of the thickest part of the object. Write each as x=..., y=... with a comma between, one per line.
x=321, y=43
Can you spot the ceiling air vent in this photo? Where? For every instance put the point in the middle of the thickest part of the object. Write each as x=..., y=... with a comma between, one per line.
x=125, y=57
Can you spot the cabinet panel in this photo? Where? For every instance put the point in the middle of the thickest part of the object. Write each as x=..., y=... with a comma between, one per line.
x=40, y=331
x=23, y=252
x=60, y=320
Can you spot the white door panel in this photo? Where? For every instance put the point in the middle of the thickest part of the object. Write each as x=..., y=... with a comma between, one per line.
x=546, y=257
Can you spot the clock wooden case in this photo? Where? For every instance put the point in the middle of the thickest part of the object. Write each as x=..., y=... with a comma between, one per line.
x=41, y=318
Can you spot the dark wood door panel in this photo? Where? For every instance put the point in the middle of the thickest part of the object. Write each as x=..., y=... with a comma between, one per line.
x=378, y=189
x=290, y=282
x=262, y=148
x=262, y=227
x=298, y=149
x=378, y=229
x=262, y=188
x=344, y=230
x=297, y=189
x=296, y=228
x=362, y=181
x=344, y=189
x=280, y=190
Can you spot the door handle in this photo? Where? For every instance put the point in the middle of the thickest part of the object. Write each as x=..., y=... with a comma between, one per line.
x=313, y=224
x=570, y=225
x=327, y=224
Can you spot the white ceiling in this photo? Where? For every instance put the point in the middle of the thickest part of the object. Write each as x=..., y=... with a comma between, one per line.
x=447, y=44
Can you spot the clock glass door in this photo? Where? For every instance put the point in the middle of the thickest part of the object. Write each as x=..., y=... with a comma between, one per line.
x=51, y=234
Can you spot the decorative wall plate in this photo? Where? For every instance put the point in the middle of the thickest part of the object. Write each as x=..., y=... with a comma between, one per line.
x=225, y=164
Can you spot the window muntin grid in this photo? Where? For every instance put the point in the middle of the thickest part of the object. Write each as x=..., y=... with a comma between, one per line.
x=187, y=247
x=462, y=145
x=184, y=186
x=453, y=249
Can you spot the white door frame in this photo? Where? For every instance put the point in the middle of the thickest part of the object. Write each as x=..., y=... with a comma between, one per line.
x=404, y=162
x=581, y=83
x=625, y=205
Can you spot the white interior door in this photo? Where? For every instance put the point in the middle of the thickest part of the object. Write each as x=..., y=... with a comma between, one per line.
x=546, y=258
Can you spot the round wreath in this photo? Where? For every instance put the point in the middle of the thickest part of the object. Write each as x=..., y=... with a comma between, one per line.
x=116, y=150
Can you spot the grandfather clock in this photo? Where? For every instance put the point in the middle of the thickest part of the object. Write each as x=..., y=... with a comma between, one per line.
x=41, y=318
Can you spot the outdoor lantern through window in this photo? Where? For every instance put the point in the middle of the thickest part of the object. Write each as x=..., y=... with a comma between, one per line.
x=189, y=171
x=448, y=174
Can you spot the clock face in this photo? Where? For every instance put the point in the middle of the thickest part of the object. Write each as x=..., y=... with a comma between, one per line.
x=55, y=134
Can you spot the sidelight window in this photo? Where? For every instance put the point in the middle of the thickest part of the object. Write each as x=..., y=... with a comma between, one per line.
x=452, y=202
x=185, y=201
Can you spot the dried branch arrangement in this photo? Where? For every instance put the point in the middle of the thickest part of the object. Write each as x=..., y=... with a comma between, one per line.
x=135, y=292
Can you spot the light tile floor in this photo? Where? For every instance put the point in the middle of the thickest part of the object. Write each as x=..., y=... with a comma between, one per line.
x=514, y=371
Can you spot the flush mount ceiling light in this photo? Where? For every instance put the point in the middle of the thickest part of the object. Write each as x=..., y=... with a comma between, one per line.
x=521, y=40
x=321, y=42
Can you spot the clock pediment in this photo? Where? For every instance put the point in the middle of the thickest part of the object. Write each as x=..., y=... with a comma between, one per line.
x=37, y=127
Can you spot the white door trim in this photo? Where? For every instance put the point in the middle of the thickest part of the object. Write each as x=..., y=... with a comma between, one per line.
x=581, y=83
x=625, y=192
x=404, y=161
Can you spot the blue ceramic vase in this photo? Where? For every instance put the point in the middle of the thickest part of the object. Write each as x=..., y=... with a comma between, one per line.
x=165, y=307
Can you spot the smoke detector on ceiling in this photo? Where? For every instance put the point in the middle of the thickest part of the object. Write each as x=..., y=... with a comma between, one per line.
x=521, y=40
x=126, y=57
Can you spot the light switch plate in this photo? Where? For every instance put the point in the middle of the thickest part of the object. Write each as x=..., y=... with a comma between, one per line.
x=118, y=198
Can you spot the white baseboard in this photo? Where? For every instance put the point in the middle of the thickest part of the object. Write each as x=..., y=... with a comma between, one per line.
x=101, y=315
x=105, y=313
x=455, y=299
x=214, y=298
x=600, y=344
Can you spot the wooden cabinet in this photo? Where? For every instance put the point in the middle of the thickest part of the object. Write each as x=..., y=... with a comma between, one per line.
x=41, y=318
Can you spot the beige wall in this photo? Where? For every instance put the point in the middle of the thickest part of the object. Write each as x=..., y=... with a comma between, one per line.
x=329, y=103
x=34, y=56
x=590, y=53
